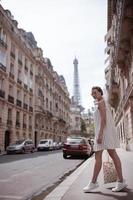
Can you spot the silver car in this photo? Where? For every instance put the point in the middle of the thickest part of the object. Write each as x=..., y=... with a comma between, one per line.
x=21, y=146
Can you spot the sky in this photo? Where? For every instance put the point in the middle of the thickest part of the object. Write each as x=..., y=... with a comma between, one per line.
x=64, y=29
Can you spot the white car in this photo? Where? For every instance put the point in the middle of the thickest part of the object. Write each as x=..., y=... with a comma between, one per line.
x=45, y=144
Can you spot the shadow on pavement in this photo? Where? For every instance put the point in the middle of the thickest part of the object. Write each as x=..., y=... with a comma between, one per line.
x=128, y=195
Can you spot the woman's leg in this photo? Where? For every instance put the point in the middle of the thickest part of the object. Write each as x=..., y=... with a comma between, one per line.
x=97, y=166
x=113, y=154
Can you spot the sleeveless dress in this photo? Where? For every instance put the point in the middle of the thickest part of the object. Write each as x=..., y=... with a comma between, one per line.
x=110, y=135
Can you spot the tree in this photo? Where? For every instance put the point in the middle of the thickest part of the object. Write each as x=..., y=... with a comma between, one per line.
x=83, y=127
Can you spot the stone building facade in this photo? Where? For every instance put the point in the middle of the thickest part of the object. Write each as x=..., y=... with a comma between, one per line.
x=34, y=101
x=119, y=67
x=75, y=119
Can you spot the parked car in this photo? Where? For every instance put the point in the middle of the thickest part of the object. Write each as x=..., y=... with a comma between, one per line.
x=45, y=144
x=61, y=144
x=21, y=146
x=55, y=146
x=91, y=142
x=78, y=146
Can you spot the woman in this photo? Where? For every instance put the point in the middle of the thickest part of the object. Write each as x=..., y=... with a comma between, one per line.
x=105, y=138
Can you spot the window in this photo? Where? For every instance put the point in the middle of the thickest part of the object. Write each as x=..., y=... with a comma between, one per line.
x=3, y=58
x=30, y=120
x=24, y=118
x=12, y=48
x=9, y=114
x=39, y=102
x=50, y=105
x=25, y=98
x=11, y=90
x=1, y=84
x=19, y=56
x=19, y=74
x=46, y=102
x=26, y=64
x=31, y=69
x=26, y=78
x=2, y=35
x=30, y=82
x=17, y=116
x=12, y=68
x=18, y=94
x=30, y=101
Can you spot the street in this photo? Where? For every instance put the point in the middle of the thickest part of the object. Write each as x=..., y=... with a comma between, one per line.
x=26, y=175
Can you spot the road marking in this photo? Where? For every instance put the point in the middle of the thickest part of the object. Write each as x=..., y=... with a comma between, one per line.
x=2, y=197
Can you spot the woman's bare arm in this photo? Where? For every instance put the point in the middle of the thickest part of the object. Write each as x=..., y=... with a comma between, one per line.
x=102, y=111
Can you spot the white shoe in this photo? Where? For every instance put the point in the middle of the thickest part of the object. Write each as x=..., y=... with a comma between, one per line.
x=119, y=186
x=91, y=186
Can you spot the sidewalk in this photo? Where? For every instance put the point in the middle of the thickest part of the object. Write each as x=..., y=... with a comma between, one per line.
x=72, y=187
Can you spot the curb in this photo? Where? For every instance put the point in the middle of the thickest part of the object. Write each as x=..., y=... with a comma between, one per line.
x=60, y=190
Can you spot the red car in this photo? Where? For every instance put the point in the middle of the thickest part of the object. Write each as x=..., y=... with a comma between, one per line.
x=78, y=146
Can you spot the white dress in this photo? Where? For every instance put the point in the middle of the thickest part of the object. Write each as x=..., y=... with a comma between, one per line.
x=110, y=136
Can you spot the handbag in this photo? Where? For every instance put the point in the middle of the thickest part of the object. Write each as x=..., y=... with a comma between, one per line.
x=109, y=172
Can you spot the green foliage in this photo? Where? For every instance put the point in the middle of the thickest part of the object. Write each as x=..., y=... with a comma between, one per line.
x=83, y=126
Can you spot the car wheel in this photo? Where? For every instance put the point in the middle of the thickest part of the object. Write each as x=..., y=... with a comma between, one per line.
x=32, y=150
x=64, y=156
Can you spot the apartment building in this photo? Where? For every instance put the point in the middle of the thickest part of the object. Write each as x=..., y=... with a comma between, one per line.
x=34, y=101
x=52, y=103
x=119, y=67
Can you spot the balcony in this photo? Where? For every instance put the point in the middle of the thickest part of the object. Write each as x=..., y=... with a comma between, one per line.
x=24, y=126
x=12, y=54
x=107, y=50
x=109, y=34
x=2, y=67
x=18, y=103
x=30, y=109
x=2, y=94
x=61, y=120
x=17, y=124
x=10, y=99
x=25, y=106
x=19, y=81
x=11, y=75
x=9, y=122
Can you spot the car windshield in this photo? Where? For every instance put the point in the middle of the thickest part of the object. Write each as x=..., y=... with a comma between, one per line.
x=18, y=142
x=75, y=141
x=43, y=142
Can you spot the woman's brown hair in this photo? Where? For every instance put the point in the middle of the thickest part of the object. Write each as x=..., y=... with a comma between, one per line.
x=98, y=88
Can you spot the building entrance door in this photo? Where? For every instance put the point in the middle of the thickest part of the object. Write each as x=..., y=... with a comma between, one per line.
x=35, y=139
x=7, y=139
